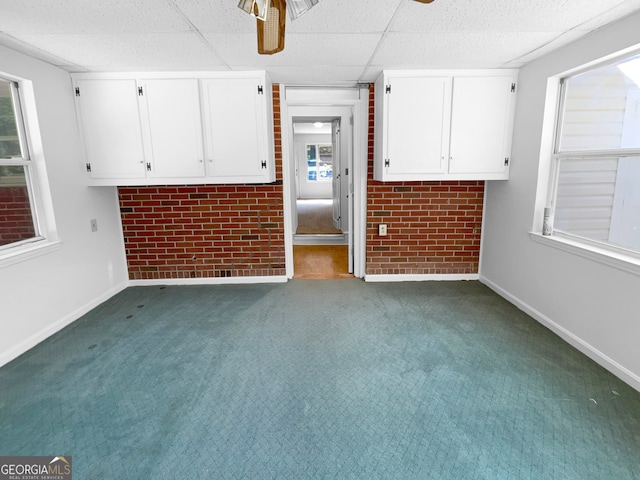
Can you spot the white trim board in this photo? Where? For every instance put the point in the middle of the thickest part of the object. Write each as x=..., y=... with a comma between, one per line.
x=42, y=335
x=594, y=354
x=421, y=277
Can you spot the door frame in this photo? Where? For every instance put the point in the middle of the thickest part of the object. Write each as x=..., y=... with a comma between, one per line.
x=297, y=101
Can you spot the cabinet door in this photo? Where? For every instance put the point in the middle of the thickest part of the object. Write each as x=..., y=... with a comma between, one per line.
x=110, y=123
x=481, y=119
x=171, y=110
x=236, y=129
x=418, y=111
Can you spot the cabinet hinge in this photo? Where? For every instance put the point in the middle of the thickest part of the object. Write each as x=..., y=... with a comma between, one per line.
x=148, y=166
x=513, y=88
x=263, y=163
x=77, y=91
x=140, y=92
x=506, y=161
x=260, y=90
x=387, y=89
x=88, y=165
x=386, y=162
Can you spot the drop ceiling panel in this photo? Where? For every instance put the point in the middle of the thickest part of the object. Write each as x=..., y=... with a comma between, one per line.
x=554, y=44
x=353, y=16
x=130, y=51
x=217, y=16
x=500, y=15
x=300, y=49
x=334, y=42
x=456, y=49
x=81, y=16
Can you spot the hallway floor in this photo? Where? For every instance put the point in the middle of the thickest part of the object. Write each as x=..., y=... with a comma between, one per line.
x=321, y=261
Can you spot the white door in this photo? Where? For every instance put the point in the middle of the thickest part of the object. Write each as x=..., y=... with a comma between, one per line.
x=110, y=122
x=174, y=134
x=336, y=174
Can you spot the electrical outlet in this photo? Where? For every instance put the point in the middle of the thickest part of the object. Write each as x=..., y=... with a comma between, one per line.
x=382, y=229
x=94, y=224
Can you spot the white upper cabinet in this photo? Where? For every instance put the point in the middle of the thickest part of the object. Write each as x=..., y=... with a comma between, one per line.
x=416, y=135
x=238, y=137
x=436, y=125
x=173, y=133
x=145, y=129
x=109, y=118
x=481, y=125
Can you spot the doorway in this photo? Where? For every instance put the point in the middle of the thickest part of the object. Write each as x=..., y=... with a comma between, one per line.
x=322, y=181
x=322, y=159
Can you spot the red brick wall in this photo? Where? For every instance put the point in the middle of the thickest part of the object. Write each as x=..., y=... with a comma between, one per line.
x=201, y=231
x=432, y=227
x=16, y=222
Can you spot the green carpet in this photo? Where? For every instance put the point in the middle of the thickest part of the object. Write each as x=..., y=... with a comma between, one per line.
x=317, y=379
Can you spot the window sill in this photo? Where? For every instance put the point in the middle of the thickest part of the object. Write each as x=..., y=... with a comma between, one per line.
x=27, y=252
x=617, y=260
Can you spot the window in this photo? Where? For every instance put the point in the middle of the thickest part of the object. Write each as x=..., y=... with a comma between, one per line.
x=319, y=162
x=20, y=227
x=595, y=192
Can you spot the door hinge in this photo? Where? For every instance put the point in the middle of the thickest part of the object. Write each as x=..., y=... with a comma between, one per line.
x=88, y=165
x=260, y=90
x=140, y=92
x=346, y=171
x=387, y=89
x=513, y=88
x=386, y=162
x=506, y=161
x=148, y=166
x=263, y=163
x=77, y=91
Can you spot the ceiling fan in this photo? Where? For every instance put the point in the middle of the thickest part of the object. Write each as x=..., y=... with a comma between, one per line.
x=271, y=19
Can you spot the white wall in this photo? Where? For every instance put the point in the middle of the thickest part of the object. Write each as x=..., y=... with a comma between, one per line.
x=591, y=305
x=43, y=294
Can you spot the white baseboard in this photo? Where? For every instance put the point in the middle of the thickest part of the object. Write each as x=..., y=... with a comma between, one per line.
x=596, y=355
x=35, y=339
x=420, y=278
x=209, y=281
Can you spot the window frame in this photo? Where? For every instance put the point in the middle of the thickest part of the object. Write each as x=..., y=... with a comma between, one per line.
x=623, y=258
x=45, y=237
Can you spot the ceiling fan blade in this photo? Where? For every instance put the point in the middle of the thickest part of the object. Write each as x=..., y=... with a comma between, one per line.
x=298, y=7
x=271, y=31
x=256, y=8
x=423, y=1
